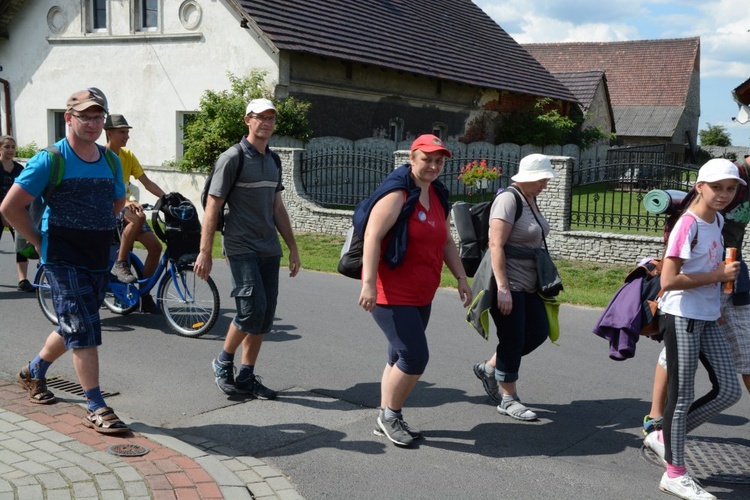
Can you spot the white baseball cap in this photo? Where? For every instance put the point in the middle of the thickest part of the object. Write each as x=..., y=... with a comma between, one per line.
x=259, y=105
x=719, y=169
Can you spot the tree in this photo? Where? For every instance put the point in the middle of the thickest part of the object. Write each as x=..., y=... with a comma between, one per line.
x=714, y=135
x=219, y=123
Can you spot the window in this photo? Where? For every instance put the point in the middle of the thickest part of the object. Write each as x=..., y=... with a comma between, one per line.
x=98, y=15
x=395, y=129
x=147, y=12
x=58, y=125
x=183, y=119
x=439, y=130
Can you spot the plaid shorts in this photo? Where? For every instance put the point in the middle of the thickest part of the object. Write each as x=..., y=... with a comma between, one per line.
x=77, y=295
x=736, y=329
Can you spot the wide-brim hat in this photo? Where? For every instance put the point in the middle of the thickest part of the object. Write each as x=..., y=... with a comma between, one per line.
x=116, y=121
x=534, y=167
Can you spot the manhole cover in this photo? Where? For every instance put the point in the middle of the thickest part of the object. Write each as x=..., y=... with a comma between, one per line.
x=712, y=460
x=127, y=450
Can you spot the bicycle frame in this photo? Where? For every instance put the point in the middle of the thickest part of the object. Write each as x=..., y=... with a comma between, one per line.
x=130, y=294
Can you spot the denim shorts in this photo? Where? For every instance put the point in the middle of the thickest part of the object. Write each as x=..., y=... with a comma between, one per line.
x=77, y=295
x=255, y=288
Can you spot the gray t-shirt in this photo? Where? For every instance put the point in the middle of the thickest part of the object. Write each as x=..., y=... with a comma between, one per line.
x=522, y=275
x=249, y=224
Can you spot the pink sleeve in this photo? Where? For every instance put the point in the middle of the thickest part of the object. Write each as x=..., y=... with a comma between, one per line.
x=681, y=237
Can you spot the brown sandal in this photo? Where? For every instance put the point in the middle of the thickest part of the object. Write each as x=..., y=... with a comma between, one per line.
x=37, y=387
x=105, y=421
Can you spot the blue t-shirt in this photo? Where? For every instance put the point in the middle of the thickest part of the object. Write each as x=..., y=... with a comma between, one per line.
x=78, y=220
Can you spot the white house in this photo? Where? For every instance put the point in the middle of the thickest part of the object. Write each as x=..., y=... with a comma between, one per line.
x=152, y=58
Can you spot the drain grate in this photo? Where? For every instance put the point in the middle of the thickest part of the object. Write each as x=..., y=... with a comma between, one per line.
x=712, y=460
x=127, y=450
x=61, y=384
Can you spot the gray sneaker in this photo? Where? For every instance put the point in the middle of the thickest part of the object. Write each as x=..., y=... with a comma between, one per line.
x=224, y=376
x=489, y=383
x=121, y=271
x=254, y=388
x=415, y=434
x=395, y=429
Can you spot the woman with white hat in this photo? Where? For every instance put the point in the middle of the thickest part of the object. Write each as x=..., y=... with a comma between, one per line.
x=517, y=310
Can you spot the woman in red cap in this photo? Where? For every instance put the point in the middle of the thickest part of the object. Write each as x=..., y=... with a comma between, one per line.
x=406, y=240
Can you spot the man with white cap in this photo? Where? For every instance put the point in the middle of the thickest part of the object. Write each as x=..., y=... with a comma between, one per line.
x=73, y=244
x=251, y=186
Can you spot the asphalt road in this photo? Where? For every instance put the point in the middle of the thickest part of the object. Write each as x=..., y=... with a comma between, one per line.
x=326, y=356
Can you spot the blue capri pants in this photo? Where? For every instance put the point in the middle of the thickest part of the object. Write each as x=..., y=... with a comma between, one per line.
x=404, y=327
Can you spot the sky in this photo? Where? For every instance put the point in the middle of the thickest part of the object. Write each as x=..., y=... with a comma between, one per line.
x=722, y=25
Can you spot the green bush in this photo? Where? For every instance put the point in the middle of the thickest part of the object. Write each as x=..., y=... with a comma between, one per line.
x=219, y=123
x=27, y=151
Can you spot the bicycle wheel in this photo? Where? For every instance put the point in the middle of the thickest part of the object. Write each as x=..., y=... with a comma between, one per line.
x=190, y=304
x=113, y=304
x=44, y=296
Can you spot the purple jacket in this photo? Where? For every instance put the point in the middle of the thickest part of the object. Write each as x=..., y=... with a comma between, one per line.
x=621, y=321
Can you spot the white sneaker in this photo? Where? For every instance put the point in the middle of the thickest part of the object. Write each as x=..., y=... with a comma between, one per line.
x=652, y=443
x=684, y=487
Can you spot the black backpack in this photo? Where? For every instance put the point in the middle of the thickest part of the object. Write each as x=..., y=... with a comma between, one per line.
x=180, y=229
x=473, y=225
x=204, y=194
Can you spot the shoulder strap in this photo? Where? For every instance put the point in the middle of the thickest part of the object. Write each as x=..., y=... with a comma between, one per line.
x=240, y=166
x=519, y=203
x=110, y=156
x=57, y=172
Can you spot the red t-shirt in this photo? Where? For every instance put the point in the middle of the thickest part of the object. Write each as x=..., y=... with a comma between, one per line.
x=415, y=281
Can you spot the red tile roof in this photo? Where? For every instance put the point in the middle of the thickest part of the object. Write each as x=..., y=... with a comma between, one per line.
x=639, y=72
x=447, y=39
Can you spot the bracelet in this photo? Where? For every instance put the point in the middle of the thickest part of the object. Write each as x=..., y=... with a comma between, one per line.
x=461, y=277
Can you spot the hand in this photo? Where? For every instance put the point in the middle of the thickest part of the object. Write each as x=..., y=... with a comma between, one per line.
x=294, y=264
x=134, y=206
x=203, y=265
x=368, y=298
x=730, y=271
x=504, y=301
x=464, y=292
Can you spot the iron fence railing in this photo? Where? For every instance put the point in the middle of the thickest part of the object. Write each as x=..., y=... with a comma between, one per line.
x=610, y=196
x=342, y=179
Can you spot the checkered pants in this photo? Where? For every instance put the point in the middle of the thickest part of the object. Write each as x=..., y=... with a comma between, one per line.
x=736, y=328
x=706, y=343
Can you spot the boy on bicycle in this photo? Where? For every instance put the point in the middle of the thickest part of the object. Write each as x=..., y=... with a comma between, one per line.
x=135, y=228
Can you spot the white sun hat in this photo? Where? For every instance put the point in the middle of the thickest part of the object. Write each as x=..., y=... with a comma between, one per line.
x=534, y=167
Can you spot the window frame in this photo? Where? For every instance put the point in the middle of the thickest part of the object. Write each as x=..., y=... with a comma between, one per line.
x=141, y=14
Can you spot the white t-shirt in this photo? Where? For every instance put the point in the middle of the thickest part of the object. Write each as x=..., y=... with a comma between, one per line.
x=702, y=303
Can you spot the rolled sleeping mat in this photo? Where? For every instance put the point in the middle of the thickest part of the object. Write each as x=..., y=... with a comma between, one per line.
x=659, y=201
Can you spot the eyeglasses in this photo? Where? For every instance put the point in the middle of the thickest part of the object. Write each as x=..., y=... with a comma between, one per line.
x=91, y=119
x=265, y=119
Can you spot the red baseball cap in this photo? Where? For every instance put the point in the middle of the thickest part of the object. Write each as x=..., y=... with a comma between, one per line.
x=429, y=143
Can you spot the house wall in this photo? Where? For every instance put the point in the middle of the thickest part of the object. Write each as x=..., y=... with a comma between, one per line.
x=150, y=77
x=690, y=119
x=355, y=100
x=598, y=114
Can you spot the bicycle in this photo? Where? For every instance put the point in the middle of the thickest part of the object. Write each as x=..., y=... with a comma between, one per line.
x=189, y=304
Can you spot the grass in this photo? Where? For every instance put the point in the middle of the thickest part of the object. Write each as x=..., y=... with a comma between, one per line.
x=586, y=283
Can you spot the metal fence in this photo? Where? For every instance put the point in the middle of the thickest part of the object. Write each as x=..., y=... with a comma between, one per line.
x=342, y=179
x=606, y=195
x=609, y=196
